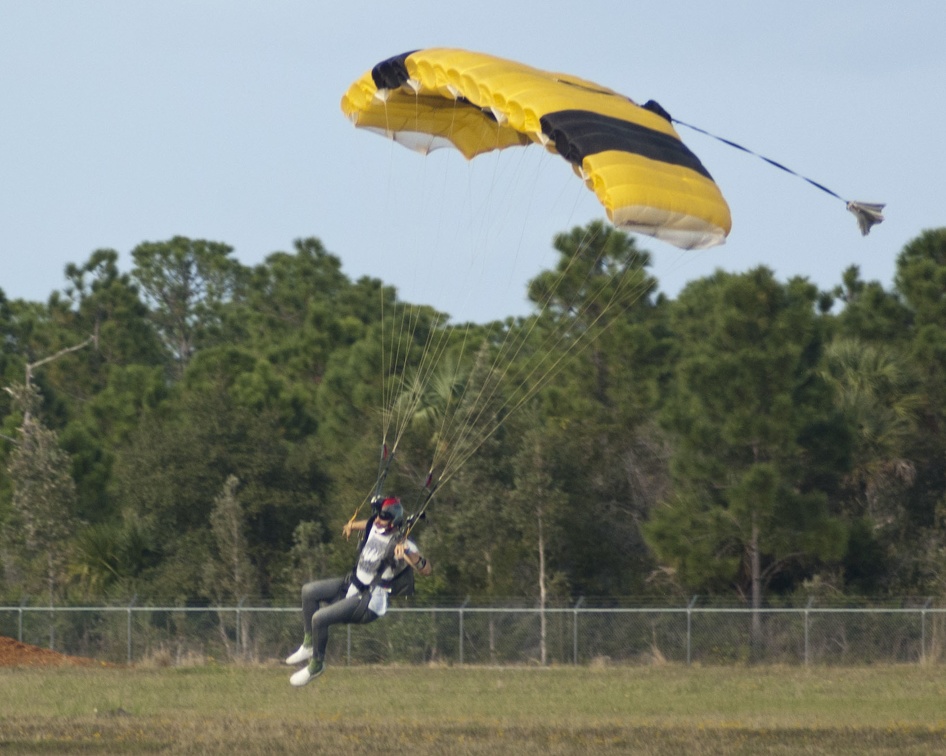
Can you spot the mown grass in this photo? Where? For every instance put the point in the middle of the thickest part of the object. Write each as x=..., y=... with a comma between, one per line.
x=459, y=711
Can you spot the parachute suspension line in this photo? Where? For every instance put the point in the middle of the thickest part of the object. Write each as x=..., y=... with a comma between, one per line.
x=385, y=413
x=516, y=404
x=562, y=343
x=439, y=349
x=497, y=373
x=460, y=438
x=430, y=488
x=451, y=433
x=387, y=454
x=391, y=361
x=391, y=349
x=462, y=446
x=467, y=442
x=461, y=432
x=630, y=287
x=452, y=429
x=573, y=325
x=397, y=412
x=403, y=391
x=407, y=402
x=454, y=437
x=434, y=351
x=402, y=398
x=399, y=404
x=458, y=427
x=455, y=431
x=395, y=346
x=554, y=338
x=403, y=394
x=438, y=338
x=442, y=440
x=384, y=462
x=867, y=213
x=401, y=343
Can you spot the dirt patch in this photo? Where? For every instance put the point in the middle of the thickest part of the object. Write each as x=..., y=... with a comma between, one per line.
x=16, y=654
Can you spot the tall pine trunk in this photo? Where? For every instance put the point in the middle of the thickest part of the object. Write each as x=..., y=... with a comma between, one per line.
x=543, y=595
x=755, y=567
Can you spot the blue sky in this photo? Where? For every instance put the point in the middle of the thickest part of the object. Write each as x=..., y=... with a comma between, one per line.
x=123, y=122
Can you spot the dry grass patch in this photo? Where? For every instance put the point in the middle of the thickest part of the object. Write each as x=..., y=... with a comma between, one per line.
x=604, y=709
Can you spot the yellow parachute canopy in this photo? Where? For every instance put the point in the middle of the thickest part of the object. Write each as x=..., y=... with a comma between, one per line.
x=629, y=155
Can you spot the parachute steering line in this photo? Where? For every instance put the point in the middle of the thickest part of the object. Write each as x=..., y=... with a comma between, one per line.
x=554, y=352
x=629, y=155
x=478, y=412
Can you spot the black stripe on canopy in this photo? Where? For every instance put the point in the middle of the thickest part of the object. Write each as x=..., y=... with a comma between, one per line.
x=579, y=133
x=391, y=73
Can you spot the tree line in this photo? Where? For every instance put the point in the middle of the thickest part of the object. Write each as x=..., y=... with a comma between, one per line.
x=196, y=430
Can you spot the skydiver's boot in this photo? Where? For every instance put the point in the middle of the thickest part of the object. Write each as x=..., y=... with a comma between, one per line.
x=308, y=673
x=303, y=653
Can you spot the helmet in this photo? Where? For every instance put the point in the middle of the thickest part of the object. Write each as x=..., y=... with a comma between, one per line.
x=391, y=509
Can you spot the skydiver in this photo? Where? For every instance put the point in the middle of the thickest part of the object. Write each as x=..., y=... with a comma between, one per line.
x=386, y=563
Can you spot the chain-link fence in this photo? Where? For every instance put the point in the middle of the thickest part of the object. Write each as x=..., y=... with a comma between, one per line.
x=494, y=635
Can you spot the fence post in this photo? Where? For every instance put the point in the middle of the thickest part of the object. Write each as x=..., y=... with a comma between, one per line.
x=923, y=630
x=462, y=606
x=928, y=652
x=581, y=600
x=690, y=626
x=239, y=626
x=128, y=627
x=19, y=629
x=807, y=612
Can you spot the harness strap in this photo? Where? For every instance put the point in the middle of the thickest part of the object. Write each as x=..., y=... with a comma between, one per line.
x=361, y=611
x=389, y=583
x=387, y=560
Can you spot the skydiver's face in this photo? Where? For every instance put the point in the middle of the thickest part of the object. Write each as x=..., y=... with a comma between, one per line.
x=384, y=524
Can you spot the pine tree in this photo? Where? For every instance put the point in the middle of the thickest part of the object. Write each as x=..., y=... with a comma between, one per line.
x=36, y=539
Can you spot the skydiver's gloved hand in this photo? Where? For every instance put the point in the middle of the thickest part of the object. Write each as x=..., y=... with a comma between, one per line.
x=353, y=526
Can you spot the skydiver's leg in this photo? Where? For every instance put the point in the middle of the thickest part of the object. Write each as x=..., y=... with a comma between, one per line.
x=314, y=595
x=345, y=612
x=317, y=593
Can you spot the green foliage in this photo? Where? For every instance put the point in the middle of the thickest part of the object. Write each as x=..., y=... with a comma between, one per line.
x=921, y=276
x=745, y=393
x=112, y=559
x=186, y=284
x=751, y=435
x=870, y=312
x=42, y=504
x=229, y=576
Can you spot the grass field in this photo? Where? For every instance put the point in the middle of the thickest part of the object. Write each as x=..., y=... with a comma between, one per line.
x=470, y=710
